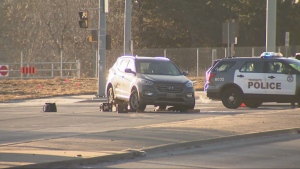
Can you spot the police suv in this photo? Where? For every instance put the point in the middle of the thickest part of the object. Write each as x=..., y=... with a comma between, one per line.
x=254, y=80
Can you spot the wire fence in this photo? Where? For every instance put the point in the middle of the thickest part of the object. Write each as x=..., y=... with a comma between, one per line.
x=194, y=60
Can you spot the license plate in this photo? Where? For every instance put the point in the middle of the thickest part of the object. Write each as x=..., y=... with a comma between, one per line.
x=171, y=95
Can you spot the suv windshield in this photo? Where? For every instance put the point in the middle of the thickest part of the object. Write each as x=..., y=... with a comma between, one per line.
x=161, y=67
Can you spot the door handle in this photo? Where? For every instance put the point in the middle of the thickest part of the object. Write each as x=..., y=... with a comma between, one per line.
x=271, y=77
x=240, y=75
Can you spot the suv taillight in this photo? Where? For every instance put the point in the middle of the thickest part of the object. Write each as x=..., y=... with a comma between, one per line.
x=211, y=75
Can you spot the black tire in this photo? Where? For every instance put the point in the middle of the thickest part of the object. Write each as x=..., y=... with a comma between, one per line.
x=232, y=98
x=185, y=108
x=191, y=107
x=252, y=104
x=134, y=102
x=110, y=95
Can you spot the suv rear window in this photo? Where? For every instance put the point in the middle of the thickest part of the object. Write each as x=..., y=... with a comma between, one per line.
x=223, y=66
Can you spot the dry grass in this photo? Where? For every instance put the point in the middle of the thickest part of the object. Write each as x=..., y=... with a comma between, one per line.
x=38, y=88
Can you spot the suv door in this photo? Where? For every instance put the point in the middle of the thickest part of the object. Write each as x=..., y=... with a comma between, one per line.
x=129, y=78
x=114, y=75
x=251, y=77
x=278, y=79
x=119, y=86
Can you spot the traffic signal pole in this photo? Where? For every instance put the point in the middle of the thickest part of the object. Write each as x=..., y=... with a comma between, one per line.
x=101, y=40
x=101, y=49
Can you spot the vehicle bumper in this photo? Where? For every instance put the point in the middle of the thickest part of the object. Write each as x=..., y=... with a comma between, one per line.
x=212, y=94
x=185, y=98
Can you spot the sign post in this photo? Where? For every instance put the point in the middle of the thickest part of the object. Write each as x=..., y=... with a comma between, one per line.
x=287, y=38
x=287, y=43
x=229, y=35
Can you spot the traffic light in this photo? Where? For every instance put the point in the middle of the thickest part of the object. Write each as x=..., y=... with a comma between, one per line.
x=83, y=19
x=93, y=37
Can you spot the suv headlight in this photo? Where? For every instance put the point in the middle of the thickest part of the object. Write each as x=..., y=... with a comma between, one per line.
x=189, y=84
x=146, y=82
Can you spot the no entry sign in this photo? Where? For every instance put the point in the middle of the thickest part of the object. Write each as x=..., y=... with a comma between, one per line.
x=3, y=70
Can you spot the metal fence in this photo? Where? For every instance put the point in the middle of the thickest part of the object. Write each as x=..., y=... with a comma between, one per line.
x=194, y=60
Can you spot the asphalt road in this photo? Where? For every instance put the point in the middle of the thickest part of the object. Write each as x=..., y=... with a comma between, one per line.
x=270, y=152
x=25, y=122
x=80, y=130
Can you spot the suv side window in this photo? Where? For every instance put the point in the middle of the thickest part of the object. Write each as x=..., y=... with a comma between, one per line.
x=123, y=65
x=223, y=66
x=274, y=67
x=278, y=67
x=131, y=65
x=253, y=67
x=117, y=64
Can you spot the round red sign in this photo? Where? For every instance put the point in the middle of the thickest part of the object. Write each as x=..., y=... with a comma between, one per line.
x=3, y=70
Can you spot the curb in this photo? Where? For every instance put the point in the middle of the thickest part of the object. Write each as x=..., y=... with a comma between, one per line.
x=128, y=154
x=131, y=154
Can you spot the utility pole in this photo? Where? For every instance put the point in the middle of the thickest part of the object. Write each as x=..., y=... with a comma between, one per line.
x=102, y=48
x=127, y=28
x=271, y=26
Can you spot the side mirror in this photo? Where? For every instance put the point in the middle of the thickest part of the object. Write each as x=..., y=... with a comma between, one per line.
x=185, y=73
x=128, y=70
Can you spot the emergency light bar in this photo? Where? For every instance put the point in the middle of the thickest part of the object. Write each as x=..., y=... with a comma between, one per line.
x=271, y=55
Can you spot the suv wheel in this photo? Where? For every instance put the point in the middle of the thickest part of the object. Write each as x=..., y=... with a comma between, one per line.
x=134, y=102
x=252, y=104
x=232, y=98
x=191, y=107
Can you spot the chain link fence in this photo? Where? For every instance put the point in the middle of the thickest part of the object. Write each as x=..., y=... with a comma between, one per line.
x=194, y=60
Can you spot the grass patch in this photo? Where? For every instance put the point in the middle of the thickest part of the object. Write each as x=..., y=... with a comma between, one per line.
x=39, y=88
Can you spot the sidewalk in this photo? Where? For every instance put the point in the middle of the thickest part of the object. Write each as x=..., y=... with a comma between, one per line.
x=146, y=139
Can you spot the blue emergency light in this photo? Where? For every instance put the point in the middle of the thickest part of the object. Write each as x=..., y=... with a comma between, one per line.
x=271, y=55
